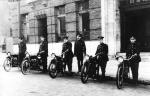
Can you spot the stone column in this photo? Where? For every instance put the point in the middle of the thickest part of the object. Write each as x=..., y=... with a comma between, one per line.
x=110, y=24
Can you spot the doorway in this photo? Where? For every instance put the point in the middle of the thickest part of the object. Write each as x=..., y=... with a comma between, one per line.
x=42, y=28
x=136, y=23
x=84, y=25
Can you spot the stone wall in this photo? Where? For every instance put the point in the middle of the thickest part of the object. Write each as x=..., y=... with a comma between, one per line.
x=37, y=9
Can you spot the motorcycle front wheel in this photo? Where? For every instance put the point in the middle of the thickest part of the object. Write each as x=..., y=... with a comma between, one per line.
x=25, y=67
x=119, y=78
x=84, y=74
x=7, y=65
x=52, y=70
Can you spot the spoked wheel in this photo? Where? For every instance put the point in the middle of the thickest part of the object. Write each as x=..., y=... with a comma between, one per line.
x=84, y=74
x=25, y=67
x=52, y=70
x=119, y=78
x=7, y=65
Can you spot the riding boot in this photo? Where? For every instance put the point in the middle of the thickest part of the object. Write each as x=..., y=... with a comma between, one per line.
x=103, y=73
x=79, y=67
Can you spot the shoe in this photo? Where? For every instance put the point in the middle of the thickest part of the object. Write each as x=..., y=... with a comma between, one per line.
x=44, y=71
x=70, y=73
x=79, y=73
x=103, y=77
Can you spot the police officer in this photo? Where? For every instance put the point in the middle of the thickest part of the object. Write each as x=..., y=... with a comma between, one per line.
x=79, y=51
x=102, y=55
x=67, y=53
x=133, y=52
x=43, y=51
x=22, y=50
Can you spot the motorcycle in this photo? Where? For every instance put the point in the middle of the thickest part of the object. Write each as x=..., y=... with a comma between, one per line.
x=57, y=65
x=123, y=71
x=29, y=63
x=10, y=61
x=90, y=68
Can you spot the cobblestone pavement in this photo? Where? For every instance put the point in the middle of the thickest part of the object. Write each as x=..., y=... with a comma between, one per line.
x=14, y=83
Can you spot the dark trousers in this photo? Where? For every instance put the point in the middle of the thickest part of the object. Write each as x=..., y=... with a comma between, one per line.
x=44, y=62
x=102, y=64
x=80, y=63
x=20, y=58
x=134, y=69
x=68, y=62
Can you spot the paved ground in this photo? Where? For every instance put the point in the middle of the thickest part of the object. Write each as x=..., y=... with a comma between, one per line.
x=36, y=84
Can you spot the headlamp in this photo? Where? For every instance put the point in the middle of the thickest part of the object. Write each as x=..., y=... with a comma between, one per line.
x=39, y=57
x=53, y=66
x=8, y=54
x=86, y=57
x=27, y=55
x=120, y=59
x=53, y=55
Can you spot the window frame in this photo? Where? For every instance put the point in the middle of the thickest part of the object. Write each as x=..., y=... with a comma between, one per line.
x=60, y=34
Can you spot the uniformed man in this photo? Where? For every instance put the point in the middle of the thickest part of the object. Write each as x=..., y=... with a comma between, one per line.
x=102, y=55
x=67, y=53
x=22, y=50
x=43, y=51
x=133, y=52
x=79, y=51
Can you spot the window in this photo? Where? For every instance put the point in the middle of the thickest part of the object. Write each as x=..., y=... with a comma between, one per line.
x=131, y=1
x=42, y=27
x=61, y=25
x=138, y=1
x=83, y=18
x=24, y=25
x=84, y=5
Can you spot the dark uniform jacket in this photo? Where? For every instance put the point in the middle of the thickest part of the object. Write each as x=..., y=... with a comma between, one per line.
x=79, y=48
x=22, y=48
x=43, y=50
x=131, y=50
x=67, y=50
x=102, y=49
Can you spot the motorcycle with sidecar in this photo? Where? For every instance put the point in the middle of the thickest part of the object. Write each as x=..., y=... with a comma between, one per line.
x=33, y=62
x=10, y=62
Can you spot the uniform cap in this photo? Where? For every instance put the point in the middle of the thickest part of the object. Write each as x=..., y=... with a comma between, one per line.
x=80, y=35
x=100, y=37
x=65, y=37
x=132, y=38
x=21, y=37
x=42, y=36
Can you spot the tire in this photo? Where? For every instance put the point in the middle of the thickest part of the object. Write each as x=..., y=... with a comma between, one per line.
x=52, y=70
x=25, y=67
x=84, y=74
x=119, y=78
x=7, y=65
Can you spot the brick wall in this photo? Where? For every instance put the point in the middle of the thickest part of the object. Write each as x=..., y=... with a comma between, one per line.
x=71, y=19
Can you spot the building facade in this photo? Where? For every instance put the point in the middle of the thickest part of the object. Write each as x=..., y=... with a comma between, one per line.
x=116, y=20
x=57, y=18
